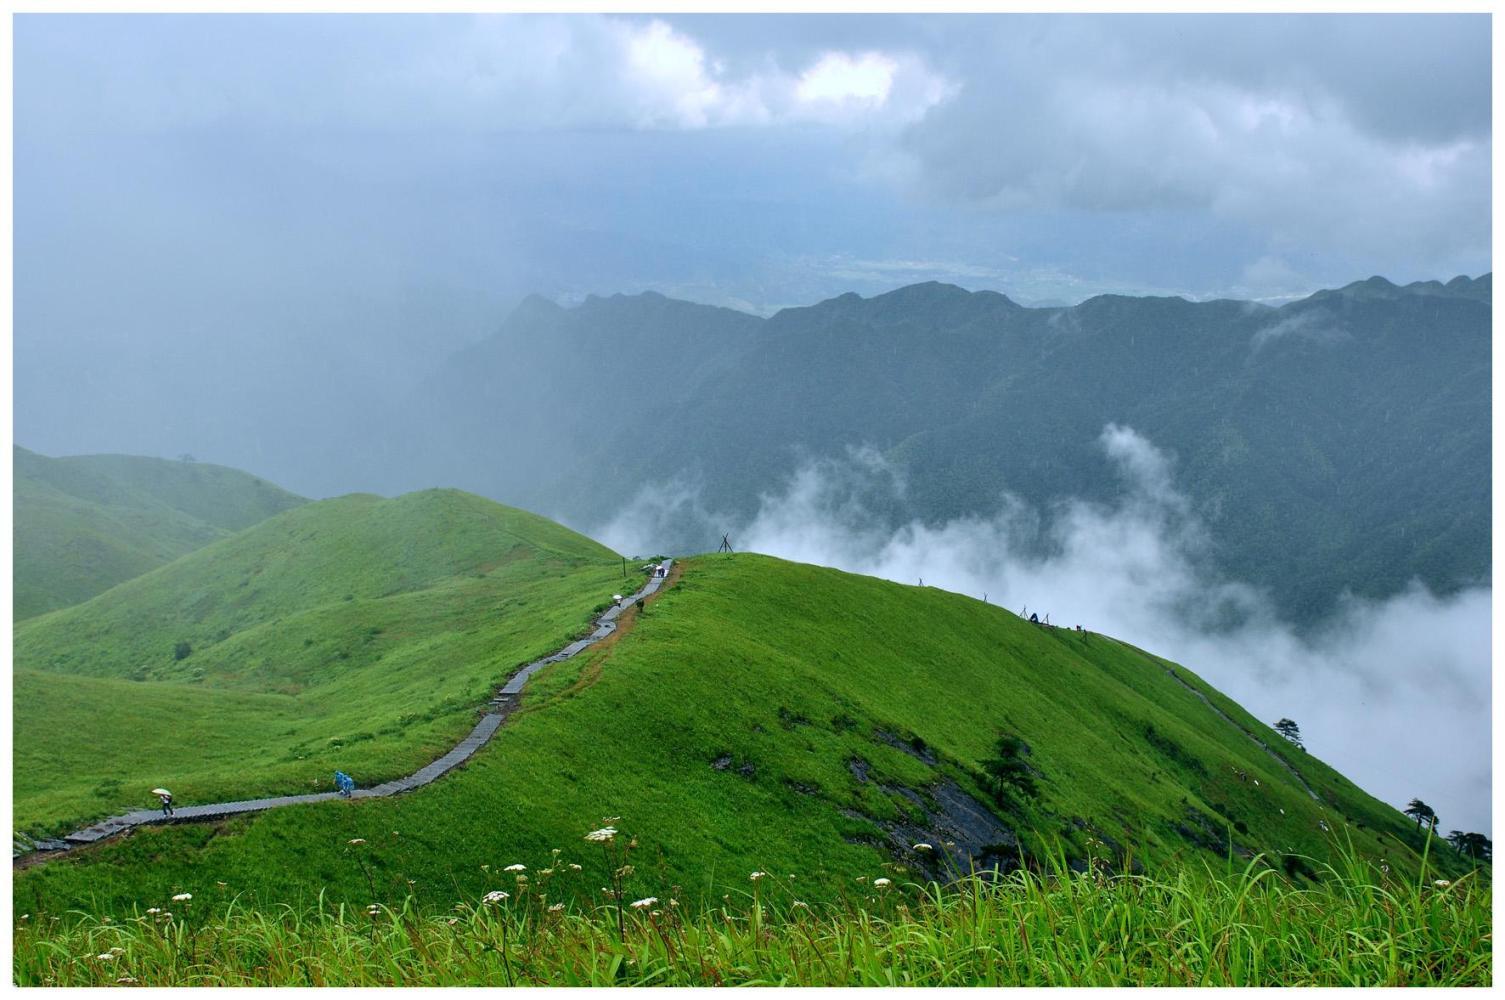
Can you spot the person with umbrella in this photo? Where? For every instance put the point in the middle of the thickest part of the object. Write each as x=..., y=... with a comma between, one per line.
x=166, y=798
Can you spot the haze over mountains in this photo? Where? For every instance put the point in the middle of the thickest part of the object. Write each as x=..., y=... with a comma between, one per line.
x=1336, y=443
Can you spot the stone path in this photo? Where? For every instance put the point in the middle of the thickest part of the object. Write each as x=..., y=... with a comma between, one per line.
x=606, y=624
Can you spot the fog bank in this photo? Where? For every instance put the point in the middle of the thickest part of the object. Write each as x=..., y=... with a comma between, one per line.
x=1394, y=693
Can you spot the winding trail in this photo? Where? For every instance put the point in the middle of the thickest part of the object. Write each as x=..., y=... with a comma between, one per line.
x=498, y=710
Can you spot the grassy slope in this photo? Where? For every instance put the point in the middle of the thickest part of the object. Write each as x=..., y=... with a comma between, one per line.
x=793, y=670
x=357, y=633
x=88, y=522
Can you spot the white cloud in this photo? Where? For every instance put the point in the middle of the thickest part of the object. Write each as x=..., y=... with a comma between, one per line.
x=671, y=72
x=840, y=77
x=675, y=83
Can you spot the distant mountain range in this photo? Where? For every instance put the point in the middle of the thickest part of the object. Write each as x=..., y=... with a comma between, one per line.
x=1338, y=442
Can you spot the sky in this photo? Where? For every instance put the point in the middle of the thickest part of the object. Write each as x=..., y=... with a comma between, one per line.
x=281, y=210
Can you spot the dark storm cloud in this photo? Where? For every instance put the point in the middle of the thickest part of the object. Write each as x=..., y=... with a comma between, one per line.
x=1316, y=132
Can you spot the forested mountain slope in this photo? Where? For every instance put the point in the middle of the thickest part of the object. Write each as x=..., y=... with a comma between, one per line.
x=1338, y=442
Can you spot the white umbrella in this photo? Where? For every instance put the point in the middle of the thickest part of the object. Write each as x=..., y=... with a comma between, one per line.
x=160, y=791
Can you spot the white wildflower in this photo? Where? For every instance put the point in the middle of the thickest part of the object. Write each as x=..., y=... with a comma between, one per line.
x=643, y=904
x=154, y=910
x=800, y=904
x=495, y=896
x=106, y=957
x=756, y=875
x=575, y=868
x=556, y=908
x=515, y=868
x=356, y=840
x=452, y=921
x=1442, y=883
x=923, y=847
x=182, y=897
x=602, y=836
x=882, y=883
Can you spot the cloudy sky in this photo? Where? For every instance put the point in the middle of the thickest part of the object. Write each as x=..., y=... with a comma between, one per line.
x=263, y=209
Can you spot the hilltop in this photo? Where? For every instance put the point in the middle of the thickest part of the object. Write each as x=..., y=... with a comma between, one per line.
x=355, y=632
x=771, y=716
x=87, y=522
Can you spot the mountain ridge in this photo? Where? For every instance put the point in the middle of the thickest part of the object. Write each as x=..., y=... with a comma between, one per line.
x=1269, y=412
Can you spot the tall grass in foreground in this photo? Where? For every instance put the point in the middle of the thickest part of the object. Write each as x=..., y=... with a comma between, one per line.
x=1355, y=927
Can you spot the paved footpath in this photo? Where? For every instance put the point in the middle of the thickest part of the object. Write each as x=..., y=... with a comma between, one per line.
x=606, y=624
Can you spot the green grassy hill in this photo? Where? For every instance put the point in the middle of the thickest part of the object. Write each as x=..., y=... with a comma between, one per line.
x=800, y=721
x=355, y=633
x=88, y=522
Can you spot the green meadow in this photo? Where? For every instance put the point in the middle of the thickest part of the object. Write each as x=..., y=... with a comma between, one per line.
x=356, y=633
x=769, y=716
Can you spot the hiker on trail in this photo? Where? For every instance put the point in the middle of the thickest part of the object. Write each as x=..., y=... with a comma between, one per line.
x=1034, y=618
x=344, y=783
x=166, y=798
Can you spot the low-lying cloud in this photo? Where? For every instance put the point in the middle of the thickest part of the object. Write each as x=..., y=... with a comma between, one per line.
x=1394, y=693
